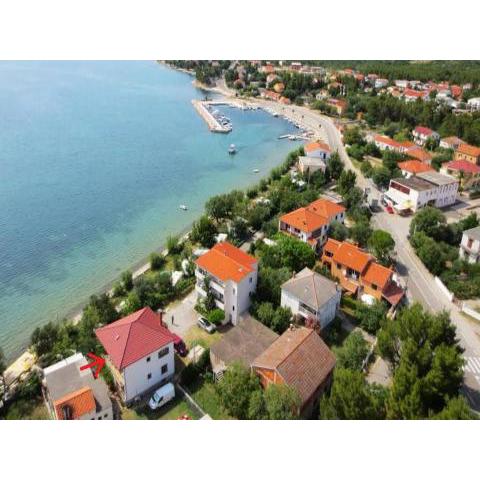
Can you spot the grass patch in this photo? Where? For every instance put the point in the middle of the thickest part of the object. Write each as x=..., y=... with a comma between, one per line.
x=334, y=335
x=205, y=395
x=171, y=411
x=197, y=336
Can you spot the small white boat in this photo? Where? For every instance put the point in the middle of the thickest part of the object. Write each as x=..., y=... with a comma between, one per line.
x=256, y=170
x=183, y=207
x=232, y=149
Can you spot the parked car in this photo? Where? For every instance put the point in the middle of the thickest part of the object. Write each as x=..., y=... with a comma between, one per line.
x=204, y=324
x=162, y=396
x=179, y=346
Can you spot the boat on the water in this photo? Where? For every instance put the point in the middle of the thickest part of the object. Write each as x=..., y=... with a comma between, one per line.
x=183, y=207
x=232, y=149
x=256, y=170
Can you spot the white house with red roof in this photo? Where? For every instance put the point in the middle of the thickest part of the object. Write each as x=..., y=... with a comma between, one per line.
x=422, y=134
x=140, y=352
x=232, y=279
x=467, y=173
x=317, y=150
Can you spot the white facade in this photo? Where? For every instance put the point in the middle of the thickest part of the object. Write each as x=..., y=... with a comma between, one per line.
x=149, y=371
x=470, y=246
x=417, y=192
x=474, y=103
x=230, y=296
x=321, y=153
x=420, y=138
x=324, y=315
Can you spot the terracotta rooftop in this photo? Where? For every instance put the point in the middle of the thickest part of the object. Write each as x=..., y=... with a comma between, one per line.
x=462, y=166
x=469, y=150
x=134, y=337
x=423, y=130
x=414, y=166
x=301, y=358
x=311, y=147
x=351, y=256
x=227, y=262
x=419, y=154
x=79, y=403
x=377, y=274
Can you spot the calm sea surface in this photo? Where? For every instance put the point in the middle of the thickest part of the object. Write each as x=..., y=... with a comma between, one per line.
x=95, y=159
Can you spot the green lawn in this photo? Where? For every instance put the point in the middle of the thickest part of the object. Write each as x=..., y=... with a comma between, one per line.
x=204, y=394
x=171, y=411
x=197, y=336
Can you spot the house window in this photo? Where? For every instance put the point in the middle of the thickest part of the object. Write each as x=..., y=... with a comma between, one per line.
x=250, y=280
x=106, y=415
x=234, y=291
x=469, y=243
x=233, y=308
x=164, y=369
x=149, y=376
x=148, y=359
x=374, y=287
x=163, y=352
x=99, y=418
x=339, y=266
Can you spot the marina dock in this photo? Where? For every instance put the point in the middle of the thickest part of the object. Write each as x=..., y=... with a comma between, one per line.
x=213, y=124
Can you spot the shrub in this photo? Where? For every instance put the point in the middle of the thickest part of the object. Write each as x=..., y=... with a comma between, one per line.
x=157, y=261
x=216, y=316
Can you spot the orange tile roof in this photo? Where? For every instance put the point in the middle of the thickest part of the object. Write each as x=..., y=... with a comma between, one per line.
x=469, y=150
x=387, y=141
x=352, y=257
x=304, y=219
x=80, y=402
x=227, y=262
x=414, y=166
x=313, y=216
x=331, y=246
x=377, y=274
x=310, y=147
x=326, y=208
x=419, y=154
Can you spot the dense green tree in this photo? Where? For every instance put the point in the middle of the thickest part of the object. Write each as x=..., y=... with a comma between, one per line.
x=235, y=390
x=127, y=280
x=335, y=166
x=351, y=398
x=257, y=215
x=353, y=352
x=427, y=220
x=456, y=409
x=381, y=177
x=338, y=231
x=204, y=231
x=346, y=181
x=256, y=407
x=43, y=338
x=269, y=284
x=290, y=253
x=238, y=229
x=282, y=402
x=371, y=317
x=382, y=245
x=360, y=232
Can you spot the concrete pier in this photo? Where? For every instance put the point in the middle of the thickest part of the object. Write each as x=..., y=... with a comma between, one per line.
x=212, y=122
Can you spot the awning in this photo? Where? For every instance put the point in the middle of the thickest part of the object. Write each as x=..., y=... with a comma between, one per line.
x=393, y=293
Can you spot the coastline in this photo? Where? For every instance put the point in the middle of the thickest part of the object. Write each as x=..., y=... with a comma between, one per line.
x=17, y=364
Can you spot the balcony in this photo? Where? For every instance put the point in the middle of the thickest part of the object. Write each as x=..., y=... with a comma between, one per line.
x=307, y=311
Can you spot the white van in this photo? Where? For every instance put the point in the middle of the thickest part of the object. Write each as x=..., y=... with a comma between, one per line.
x=162, y=396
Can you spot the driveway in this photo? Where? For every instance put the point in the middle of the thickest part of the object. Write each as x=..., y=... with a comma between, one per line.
x=183, y=313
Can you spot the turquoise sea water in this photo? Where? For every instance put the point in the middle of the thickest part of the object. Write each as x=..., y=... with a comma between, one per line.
x=95, y=159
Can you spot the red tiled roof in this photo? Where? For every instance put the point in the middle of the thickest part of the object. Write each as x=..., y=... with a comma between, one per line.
x=393, y=293
x=227, y=262
x=377, y=274
x=311, y=147
x=423, y=130
x=414, y=166
x=351, y=256
x=387, y=141
x=326, y=208
x=408, y=92
x=133, y=337
x=301, y=358
x=469, y=150
x=79, y=402
x=331, y=245
x=453, y=141
x=463, y=166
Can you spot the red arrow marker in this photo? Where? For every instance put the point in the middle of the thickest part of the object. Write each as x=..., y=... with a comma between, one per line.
x=98, y=362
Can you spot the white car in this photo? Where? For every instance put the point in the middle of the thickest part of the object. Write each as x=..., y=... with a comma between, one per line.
x=204, y=324
x=162, y=396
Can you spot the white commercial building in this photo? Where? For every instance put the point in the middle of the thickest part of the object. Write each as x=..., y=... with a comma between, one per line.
x=470, y=245
x=311, y=295
x=426, y=188
x=474, y=103
x=231, y=276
